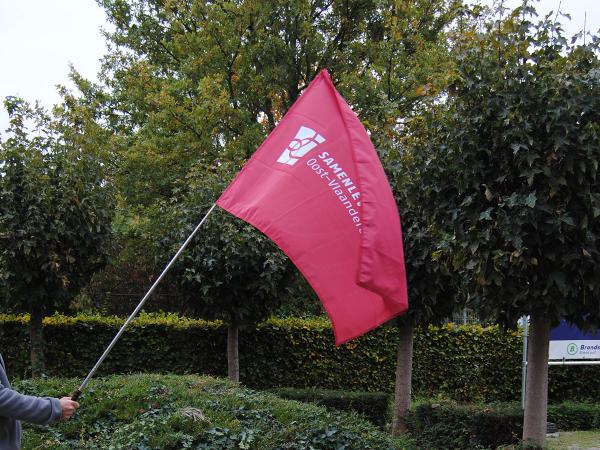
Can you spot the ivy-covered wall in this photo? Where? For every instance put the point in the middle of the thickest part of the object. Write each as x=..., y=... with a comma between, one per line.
x=458, y=362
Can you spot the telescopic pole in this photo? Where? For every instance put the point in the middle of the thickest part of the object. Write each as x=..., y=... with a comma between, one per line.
x=524, y=363
x=77, y=392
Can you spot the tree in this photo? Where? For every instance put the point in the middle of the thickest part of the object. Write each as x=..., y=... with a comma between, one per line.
x=516, y=157
x=232, y=272
x=434, y=291
x=200, y=84
x=405, y=76
x=406, y=73
x=55, y=218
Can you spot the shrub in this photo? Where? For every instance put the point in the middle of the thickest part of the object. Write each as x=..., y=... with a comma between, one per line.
x=449, y=425
x=372, y=405
x=465, y=363
x=575, y=416
x=156, y=343
x=191, y=412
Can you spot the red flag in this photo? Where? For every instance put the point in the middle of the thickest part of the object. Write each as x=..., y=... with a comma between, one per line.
x=317, y=189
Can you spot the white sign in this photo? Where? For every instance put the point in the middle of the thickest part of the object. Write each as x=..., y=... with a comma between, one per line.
x=575, y=349
x=569, y=342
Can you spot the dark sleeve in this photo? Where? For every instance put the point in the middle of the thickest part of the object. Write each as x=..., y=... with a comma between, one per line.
x=37, y=410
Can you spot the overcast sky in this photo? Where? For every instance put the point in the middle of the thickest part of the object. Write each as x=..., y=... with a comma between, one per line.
x=40, y=38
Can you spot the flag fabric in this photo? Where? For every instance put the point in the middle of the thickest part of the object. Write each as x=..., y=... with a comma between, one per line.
x=317, y=189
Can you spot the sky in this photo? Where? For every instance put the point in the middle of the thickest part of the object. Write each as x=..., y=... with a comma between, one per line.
x=39, y=39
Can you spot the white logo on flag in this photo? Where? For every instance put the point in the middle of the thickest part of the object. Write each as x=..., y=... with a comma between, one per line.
x=306, y=139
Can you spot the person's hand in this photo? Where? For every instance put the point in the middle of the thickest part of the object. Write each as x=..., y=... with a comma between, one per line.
x=68, y=407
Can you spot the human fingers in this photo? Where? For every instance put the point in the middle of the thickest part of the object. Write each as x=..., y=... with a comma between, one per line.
x=68, y=407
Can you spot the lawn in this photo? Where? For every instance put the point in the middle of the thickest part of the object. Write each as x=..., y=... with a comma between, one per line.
x=575, y=440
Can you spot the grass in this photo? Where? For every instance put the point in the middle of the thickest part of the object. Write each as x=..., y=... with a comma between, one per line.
x=169, y=412
x=581, y=439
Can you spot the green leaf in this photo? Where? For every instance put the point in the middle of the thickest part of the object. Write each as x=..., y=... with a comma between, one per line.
x=530, y=200
x=486, y=215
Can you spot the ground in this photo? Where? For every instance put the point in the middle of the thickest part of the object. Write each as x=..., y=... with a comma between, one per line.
x=575, y=440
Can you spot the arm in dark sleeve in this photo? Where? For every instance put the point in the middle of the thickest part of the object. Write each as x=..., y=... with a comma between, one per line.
x=37, y=410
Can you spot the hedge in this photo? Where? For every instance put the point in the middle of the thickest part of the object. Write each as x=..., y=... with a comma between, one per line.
x=569, y=415
x=460, y=362
x=371, y=405
x=448, y=425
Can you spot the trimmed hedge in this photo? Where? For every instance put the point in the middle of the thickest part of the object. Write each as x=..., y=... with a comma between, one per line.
x=452, y=426
x=575, y=416
x=449, y=425
x=164, y=343
x=371, y=405
x=472, y=363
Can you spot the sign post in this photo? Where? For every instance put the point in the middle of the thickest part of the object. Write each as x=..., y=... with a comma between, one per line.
x=569, y=346
x=524, y=365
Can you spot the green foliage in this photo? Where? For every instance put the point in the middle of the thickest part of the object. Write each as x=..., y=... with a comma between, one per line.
x=190, y=89
x=449, y=425
x=118, y=288
x=512, y=157
x=510, y=162
x=165, y=343
x=299, y=300
x=212, y=79
x=465, y=363
x=571, y=415
x=55, y=212
x=230, y=271
x=55, y=217
x=433, y=289
x=191, y=412
x=372, y=405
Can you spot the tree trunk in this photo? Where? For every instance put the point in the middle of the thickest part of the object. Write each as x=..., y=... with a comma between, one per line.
x=233, y=357
x=36, y=341
x=536, y=397
x=403, y=379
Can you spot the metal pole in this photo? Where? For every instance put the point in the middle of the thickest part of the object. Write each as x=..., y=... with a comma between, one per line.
x=524, y=365
x=574, y=363
x=75, y=395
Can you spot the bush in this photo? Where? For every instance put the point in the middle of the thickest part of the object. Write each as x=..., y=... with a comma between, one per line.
x=466, y=363
x=371, y=405
x=448, y=425
x=156, y=343
x=575, y=416
x=191, y=412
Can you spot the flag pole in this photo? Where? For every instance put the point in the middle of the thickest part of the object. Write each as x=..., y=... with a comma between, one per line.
x=77, y=392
